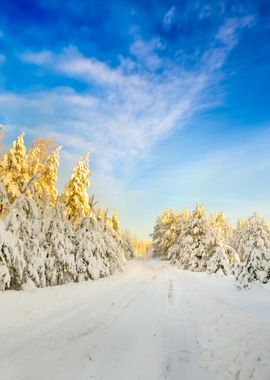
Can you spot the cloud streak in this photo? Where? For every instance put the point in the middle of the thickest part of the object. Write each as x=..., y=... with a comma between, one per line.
x=134, y=107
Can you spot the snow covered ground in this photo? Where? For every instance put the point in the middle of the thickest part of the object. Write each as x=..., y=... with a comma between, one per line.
x=151, y=322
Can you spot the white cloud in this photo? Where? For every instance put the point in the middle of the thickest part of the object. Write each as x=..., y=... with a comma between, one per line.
x=41, y=58
x=228, y=33
x=134, y=105
x=133, y=108
x=146, y=53
x=169, y=17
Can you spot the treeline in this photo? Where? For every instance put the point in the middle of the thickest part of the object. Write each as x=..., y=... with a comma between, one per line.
x=195, y=242
x=48, y=238
x=141, y=247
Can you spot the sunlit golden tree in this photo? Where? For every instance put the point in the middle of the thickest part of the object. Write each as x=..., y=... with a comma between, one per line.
x=45, y=184
x=14, y=170
x=74, y=196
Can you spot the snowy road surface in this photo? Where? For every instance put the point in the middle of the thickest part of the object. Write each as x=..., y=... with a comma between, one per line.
x=151, y=322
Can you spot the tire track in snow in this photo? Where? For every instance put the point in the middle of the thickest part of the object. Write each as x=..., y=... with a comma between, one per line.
x=131, y=328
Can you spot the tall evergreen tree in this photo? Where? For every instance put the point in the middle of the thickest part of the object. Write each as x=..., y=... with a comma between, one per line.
x=255, y=261
x=45, y=184
x=75, y=197
x=14, y=170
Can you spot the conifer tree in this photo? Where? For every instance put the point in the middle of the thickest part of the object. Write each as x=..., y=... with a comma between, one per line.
x=197, y=230
x=23, y=221
x=115, y=222
x=176, y=252
x=14, y=171
x=12, y=263
x=45, y=146
x=164, y=233
x=45, y=184
x=75, y=197
x=255, y=263
x=220, y=256
x=59, y=246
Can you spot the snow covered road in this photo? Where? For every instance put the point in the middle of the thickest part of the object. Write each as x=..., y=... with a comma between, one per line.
x=151, y=322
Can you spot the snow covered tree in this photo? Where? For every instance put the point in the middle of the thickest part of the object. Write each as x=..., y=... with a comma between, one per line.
x=115, y=222
x=175, y=252
x=220, y=223
x=102, y=215
x=164, y=233
x=58, y=244
x=255, y=257
x=38, y=244
x=23, y=221
x=128, y=245
x=12, y=263
x=75, y=197
x=14, y=171
x=97, y=253
x=196, y=240
x=45, y=146
x=4, y=202
x=45, y=184
x=238, y=237
x=220, y=256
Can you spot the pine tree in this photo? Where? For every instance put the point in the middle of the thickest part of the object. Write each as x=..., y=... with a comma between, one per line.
x=45, y=184
x=176, y=252
x=14, y=170
x=97, y=252
x=59, y=246
x=196, y=240
x=164, y=233
x=220, y=256
x=75, y=197
x=238, y=238
x=128, y=245
x=255, y=263
x=4, y=202
x=115, y=223
x=23, y=221
x=12, y=263
x=45, y=146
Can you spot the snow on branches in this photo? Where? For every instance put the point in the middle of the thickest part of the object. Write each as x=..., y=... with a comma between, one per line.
x=49, y=239
x=197, y=243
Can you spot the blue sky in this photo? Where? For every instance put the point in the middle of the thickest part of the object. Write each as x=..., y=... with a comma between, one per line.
x=171, y=98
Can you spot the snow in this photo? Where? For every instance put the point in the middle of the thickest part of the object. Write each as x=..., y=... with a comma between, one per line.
x=150, y=322
x=45, y=249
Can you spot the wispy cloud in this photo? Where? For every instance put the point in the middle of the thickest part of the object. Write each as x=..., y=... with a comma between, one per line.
x=134, y=107
x=136, y=104
x=169, y=17
x=228, y=33
x=120, y=102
